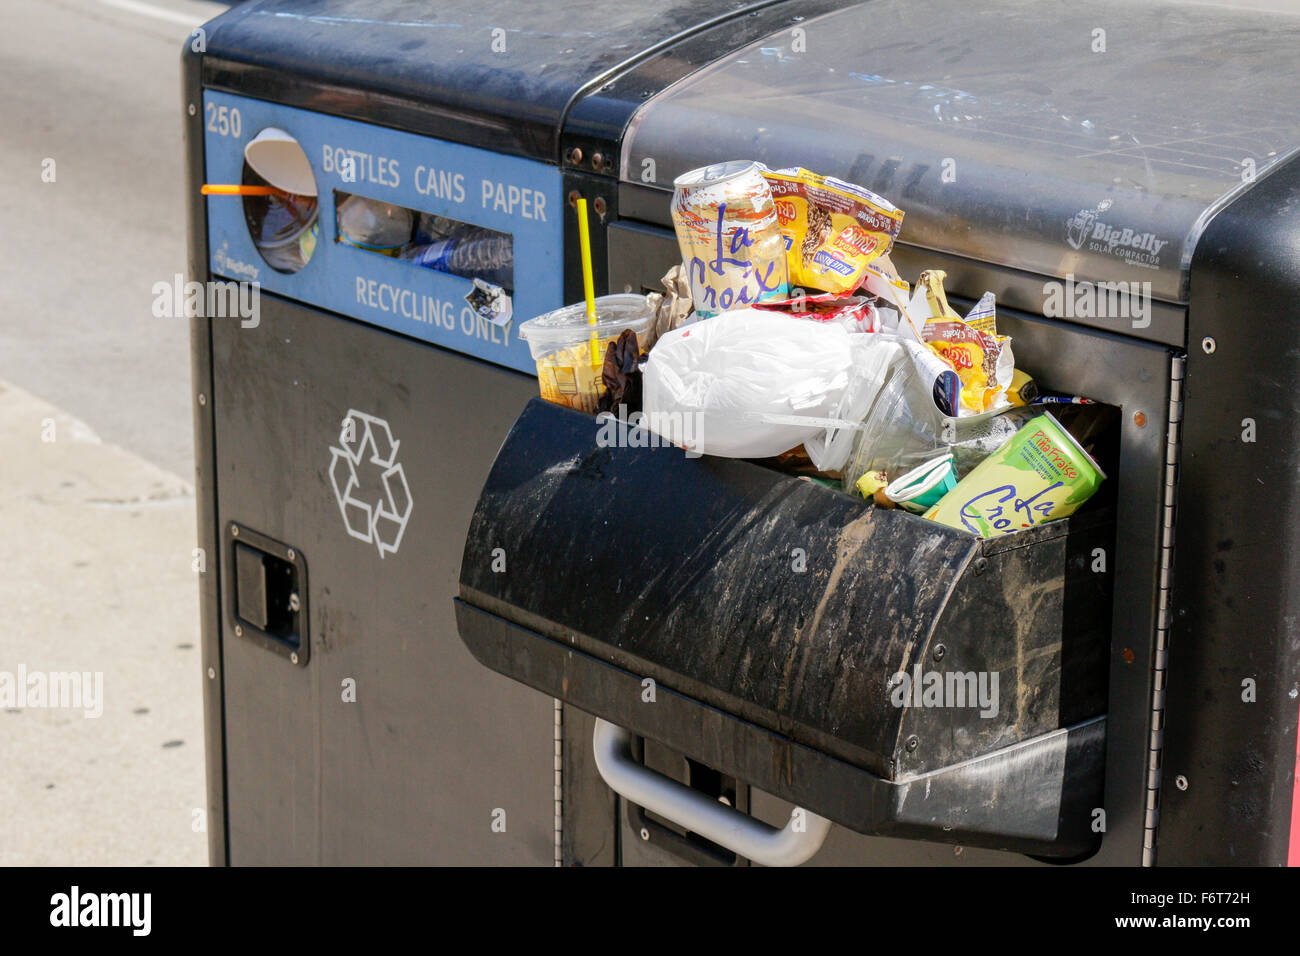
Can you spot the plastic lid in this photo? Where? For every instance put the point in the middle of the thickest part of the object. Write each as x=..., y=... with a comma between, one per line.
x=568, y=326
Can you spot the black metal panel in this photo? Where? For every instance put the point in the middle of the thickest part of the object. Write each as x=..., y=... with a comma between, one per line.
x=1236, y=601
x=490, y=73
x=196, y=228
x=668, y=842
x=639, y=255
x=1042, y=160
x=1042, y=616
x=413, y=769
x=590, y=809
x=1037, y=796
x=596, y=121
x=601, y=194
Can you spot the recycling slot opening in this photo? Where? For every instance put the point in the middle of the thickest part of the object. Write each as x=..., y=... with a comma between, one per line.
x=425, y=240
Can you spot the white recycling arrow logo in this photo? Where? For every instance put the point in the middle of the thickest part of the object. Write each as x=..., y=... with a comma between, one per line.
x=366, y=442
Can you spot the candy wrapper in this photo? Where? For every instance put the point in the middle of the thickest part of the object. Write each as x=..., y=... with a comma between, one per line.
x=832, y=229
x=856, y=313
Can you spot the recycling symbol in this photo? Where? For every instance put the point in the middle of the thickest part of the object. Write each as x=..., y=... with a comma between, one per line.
x=369, y=483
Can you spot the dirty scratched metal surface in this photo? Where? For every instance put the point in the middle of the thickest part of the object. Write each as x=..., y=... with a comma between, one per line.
x=777, y=600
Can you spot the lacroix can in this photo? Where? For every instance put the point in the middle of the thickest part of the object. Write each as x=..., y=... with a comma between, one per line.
x=1040, y=475
x=729, y=236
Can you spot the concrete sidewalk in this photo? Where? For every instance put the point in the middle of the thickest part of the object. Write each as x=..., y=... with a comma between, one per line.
x=98, y=579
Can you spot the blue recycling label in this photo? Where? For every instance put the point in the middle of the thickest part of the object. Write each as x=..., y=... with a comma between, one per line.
x=476, y=188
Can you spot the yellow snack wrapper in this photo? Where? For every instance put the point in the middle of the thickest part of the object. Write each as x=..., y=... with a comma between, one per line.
x=971, y=347
x=832, y=229
x=1023, y=389
x=973, y=355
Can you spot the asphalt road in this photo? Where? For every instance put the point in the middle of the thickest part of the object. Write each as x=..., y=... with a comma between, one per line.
x=94, y=85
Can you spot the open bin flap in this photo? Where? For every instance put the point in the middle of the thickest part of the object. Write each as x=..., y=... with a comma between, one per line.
x=776, y=618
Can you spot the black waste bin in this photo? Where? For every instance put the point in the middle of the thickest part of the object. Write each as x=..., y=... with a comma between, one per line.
x=345, y=429
x=660, y=685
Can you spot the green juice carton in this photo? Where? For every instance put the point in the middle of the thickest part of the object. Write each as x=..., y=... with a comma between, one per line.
x=1040, y=475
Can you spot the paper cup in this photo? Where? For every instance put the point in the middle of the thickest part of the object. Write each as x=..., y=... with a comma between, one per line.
x=277, y=158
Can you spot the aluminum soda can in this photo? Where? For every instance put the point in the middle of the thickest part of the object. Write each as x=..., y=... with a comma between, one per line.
x=729, y=235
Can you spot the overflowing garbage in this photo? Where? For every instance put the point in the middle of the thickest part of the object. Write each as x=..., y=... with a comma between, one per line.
x=787, y=335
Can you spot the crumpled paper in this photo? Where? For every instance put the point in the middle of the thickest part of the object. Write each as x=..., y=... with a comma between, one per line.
x=672, y=306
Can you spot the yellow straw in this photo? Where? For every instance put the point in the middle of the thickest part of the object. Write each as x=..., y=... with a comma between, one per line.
x=588, y=287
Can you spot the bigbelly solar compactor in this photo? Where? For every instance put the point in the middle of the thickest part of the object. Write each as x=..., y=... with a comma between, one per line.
x=435, y=603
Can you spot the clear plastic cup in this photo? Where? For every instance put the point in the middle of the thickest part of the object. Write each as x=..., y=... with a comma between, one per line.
x=560, y=343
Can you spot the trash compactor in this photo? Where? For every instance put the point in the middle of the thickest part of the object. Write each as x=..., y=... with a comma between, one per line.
x=445, y=622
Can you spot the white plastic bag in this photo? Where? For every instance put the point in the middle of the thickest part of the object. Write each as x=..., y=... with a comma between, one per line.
x=738, y=384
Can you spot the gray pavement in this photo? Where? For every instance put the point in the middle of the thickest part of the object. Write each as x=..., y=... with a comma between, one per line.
x=104, y=586
x=96, y=88
x=95, y=483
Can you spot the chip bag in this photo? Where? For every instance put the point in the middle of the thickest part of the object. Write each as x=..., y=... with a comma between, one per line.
x=832, y=229
x=981, y=358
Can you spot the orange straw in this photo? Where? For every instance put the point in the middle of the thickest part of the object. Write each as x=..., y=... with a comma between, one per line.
x=229, y=189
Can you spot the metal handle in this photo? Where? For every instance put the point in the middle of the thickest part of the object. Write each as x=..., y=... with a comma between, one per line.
x=738, y=832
